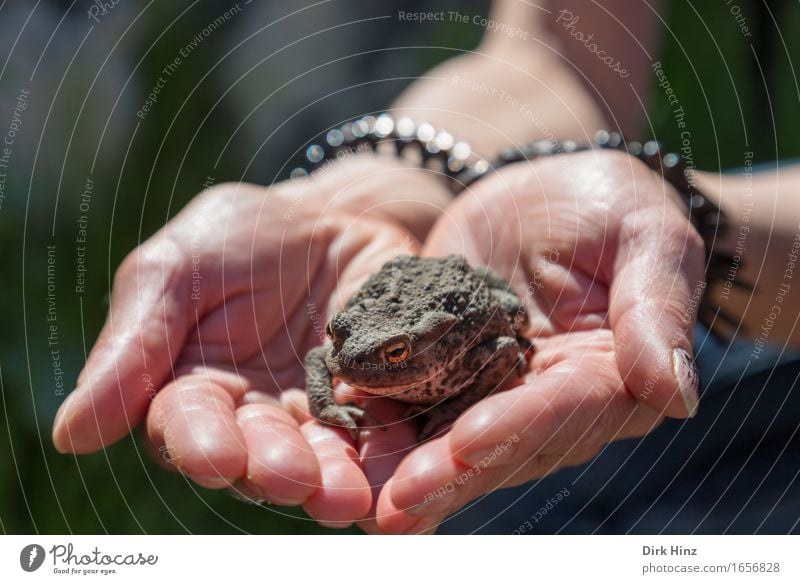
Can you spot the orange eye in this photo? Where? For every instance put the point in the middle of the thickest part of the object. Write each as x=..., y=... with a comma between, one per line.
x=397, y=352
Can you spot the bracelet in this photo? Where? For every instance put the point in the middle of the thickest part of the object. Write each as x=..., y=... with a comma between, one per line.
x=438, y=150
x=434, y=148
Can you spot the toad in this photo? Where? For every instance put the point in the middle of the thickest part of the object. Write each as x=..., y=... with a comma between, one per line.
x=432, y=332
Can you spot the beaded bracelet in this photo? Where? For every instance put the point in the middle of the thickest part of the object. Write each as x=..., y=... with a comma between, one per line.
x=434, y=148
x=454, y=160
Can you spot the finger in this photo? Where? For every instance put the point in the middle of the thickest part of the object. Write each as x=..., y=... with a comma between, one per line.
x=454, y=487
x=423, y=471
x=382, y=450
x=193, y=423
x=281, y=466
x=363, y=247
x=295, y=402
x=259, y=397
x=391, y=524
x=558, y=419
x=145, y=329
x=158, y=452
x=390, y=519
x=344, y=495
x=430, y=484
x=656, y=287
x=569, y=407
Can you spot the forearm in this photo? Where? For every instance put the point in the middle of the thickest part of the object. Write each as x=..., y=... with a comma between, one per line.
x=511, y=89
x=559, y=71
x=763, y=213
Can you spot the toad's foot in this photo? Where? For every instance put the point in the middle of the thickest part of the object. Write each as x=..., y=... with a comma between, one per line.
x=347, y=417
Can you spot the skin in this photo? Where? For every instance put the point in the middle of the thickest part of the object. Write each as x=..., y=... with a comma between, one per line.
x=763, y=217
x=543, y=83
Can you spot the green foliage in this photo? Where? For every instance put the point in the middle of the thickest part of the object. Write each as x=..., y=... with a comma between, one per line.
x=739, y=93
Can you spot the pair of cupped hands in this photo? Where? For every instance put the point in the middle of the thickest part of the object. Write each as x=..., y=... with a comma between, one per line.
x=210, y=320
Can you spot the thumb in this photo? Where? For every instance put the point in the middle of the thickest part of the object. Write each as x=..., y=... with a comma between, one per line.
x=365, y=244
x=144, y=331
x=656, y=288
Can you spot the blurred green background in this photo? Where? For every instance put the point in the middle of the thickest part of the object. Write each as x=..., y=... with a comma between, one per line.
x=86, y=81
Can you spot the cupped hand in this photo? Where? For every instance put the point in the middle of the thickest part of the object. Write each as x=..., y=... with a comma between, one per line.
x=611, y=272
x=210, y=320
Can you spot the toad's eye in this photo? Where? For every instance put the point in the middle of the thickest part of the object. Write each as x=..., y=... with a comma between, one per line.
x=329, y=329
x=397, y=352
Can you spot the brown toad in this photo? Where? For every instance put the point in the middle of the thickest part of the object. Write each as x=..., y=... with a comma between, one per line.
x=426, y=331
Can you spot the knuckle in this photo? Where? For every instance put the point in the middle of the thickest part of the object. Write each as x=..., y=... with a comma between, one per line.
x=223, y=197
x=161, y=257
x=598, y=431
x=639, y=229
x=125, y=268
x=222, y=191
x=223, y=188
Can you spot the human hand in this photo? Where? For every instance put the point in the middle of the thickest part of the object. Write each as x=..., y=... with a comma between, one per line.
x=211, y=318
x=611, y=271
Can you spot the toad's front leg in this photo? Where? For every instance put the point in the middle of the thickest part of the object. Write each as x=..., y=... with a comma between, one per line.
x=319, y=389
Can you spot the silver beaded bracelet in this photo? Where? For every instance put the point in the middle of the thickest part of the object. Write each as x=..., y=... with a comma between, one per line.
x=432, y=148
x=454, y=160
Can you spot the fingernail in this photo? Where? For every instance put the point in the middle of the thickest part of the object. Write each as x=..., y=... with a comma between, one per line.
x=244, y=493
x=59, y=415
x=688, y=379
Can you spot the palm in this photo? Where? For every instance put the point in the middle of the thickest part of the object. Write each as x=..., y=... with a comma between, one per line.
x=261, y=305
x=270, y=282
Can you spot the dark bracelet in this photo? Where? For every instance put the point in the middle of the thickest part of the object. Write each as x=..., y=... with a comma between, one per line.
x=439, y=151
x=431, y=148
